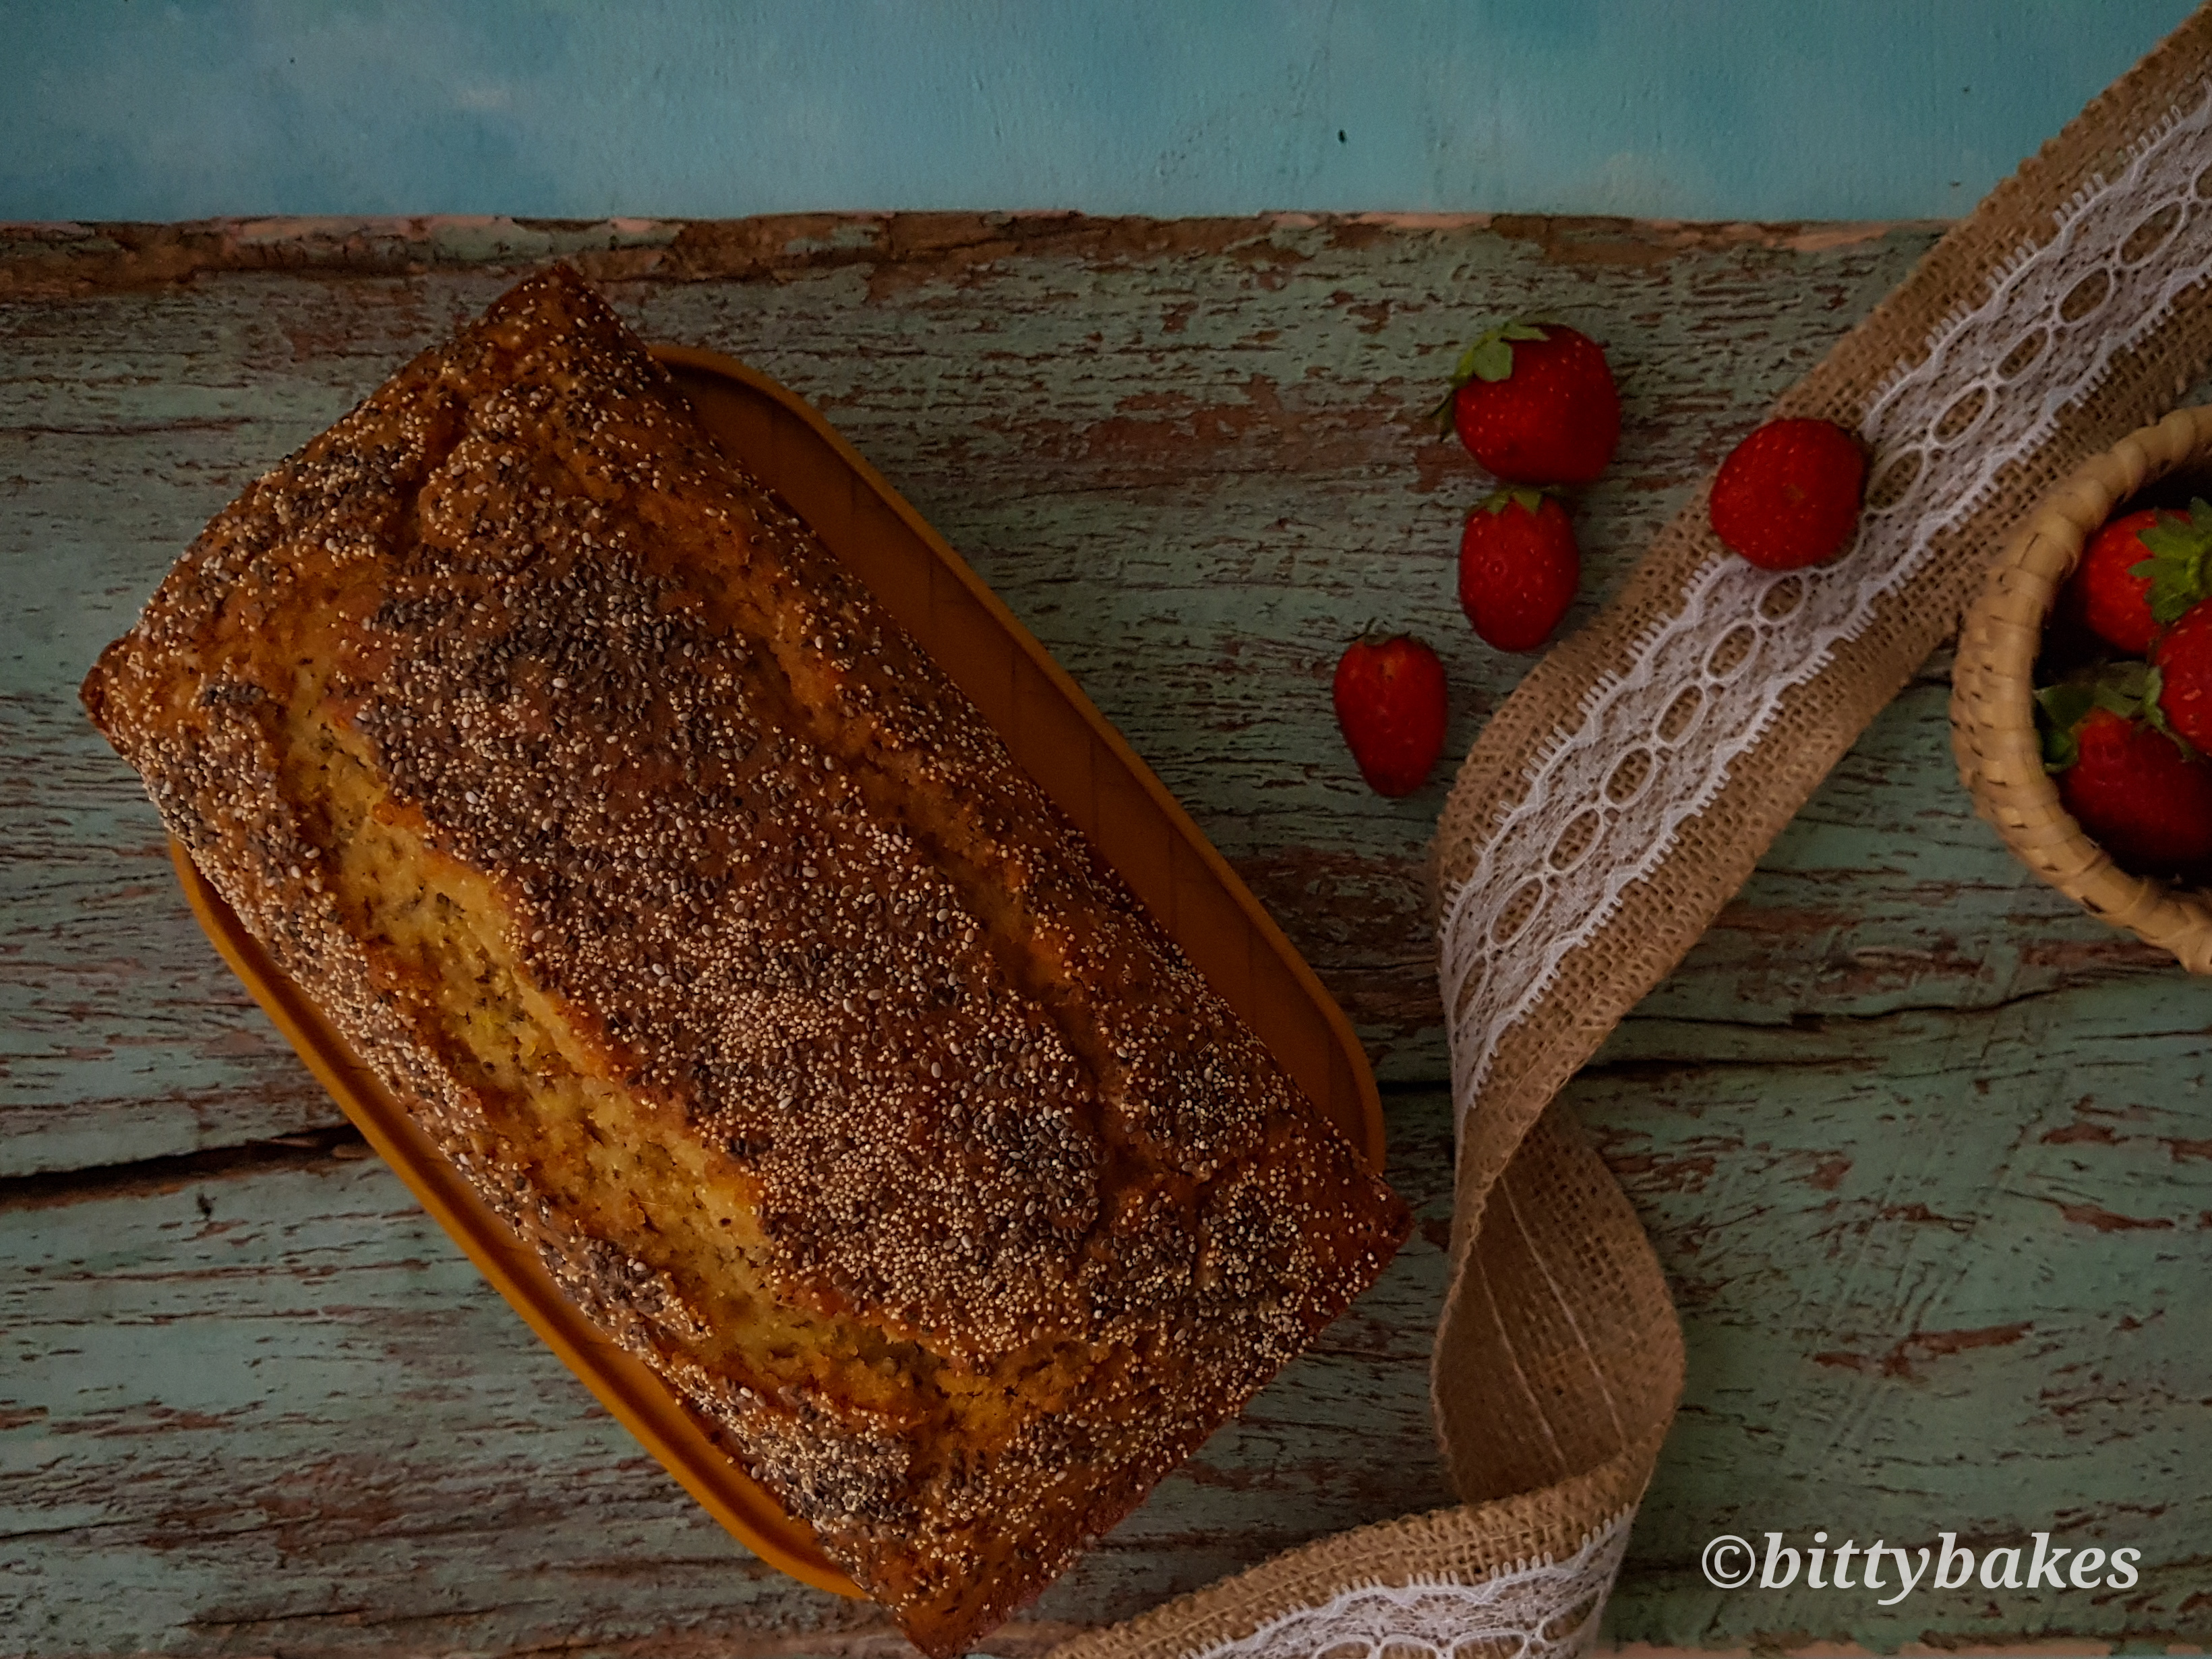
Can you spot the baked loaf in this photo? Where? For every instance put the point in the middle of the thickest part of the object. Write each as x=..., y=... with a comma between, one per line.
x=720, y=943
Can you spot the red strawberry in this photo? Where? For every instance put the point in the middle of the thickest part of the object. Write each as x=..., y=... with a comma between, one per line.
x=1535, y=405
x=1390, y=703
x=1517, y=569
x=2184, y=662
x=1788, y=495
x=2144, y=799
x=2178, y=572
x=2112, y=601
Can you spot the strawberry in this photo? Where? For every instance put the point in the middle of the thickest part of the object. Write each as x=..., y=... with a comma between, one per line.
x=2178, y=572
x=1788, y=495
x=2145, y=799
x=2184, y=662
x=1518, y=567
x=1535, y=405
x=2105, y=592
x=1391, y=706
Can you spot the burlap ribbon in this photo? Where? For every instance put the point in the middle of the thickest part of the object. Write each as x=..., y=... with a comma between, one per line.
x=1627, y=789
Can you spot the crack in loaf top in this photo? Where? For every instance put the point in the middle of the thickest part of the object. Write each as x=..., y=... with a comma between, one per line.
x=776, y=873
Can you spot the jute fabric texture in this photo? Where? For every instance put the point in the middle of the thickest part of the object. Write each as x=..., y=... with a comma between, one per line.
x=1627, y=789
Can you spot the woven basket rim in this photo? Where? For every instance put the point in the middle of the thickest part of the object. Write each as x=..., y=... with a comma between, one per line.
x=1994, y=735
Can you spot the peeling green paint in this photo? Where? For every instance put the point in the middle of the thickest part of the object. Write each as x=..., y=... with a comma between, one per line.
x=1924, y=1148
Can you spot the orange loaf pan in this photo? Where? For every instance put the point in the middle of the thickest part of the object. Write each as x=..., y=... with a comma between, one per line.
x=1082, y=763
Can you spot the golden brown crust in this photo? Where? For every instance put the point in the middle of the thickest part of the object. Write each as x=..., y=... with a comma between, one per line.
x=581, y=787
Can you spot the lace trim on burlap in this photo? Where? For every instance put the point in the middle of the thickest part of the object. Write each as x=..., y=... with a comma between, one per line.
x=1656, y=739
x=1542, y=1610
x=1682, y=729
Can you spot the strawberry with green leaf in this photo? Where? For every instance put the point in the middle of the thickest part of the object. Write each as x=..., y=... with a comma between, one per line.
x=1518, y=568
x=1392, y=705
x=2109, y=592
x=2178, y=576
x=1534, y=401
x=2145, y=797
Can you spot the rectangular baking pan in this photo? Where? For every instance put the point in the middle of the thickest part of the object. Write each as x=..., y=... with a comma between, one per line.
x=1078, y=759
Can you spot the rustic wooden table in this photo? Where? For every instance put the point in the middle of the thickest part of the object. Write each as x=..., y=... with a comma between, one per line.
x=1925, y=1151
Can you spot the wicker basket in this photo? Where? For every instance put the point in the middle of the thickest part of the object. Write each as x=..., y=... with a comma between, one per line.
x=1993, y=731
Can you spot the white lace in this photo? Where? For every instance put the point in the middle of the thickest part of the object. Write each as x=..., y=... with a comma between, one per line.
x=1520, y=1614
x=1705, y=685
x=1653, y=745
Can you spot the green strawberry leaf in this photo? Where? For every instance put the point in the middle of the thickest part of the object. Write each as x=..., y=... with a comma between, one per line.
x=2179, y=570
x=1491, y=356
x=2058, y=709
x=1527, y=497
x=2129, y=690
x=1492, y=360
x=2125, y=688
x=2154, y=714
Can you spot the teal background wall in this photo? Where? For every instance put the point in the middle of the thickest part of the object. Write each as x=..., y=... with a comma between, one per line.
x=1770, y=109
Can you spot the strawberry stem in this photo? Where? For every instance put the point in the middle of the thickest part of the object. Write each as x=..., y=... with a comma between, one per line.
x=1527, y=497
x=1491, y=356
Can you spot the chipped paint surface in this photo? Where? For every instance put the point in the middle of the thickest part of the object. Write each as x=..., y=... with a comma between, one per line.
x=1926, y=1152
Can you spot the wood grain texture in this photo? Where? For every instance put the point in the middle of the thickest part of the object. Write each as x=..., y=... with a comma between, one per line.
x=1924, y=1150
x=278, y=1409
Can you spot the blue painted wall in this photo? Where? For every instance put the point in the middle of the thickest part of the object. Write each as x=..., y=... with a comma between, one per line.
x=1770, y=109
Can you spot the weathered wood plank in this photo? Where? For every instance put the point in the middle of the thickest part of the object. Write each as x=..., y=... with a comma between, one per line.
x=276, y=1404
x=1924, y=1149
x=276, y=1408
x=1193, y=468
x=1936, y=1274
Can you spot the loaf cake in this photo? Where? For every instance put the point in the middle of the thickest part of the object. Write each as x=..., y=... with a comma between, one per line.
x=719, y=942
